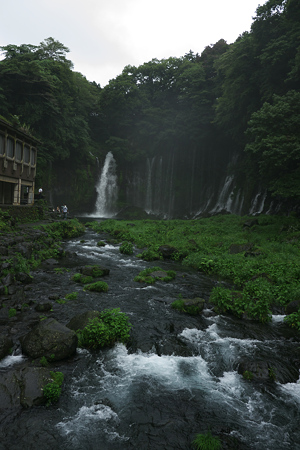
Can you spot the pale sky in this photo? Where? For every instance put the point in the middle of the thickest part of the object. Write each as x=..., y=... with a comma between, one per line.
x=104, y=36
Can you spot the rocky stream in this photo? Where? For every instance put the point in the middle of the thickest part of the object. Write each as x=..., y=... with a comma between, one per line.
x=179, y=375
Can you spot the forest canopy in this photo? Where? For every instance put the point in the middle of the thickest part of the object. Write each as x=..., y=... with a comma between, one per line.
x=243, y=96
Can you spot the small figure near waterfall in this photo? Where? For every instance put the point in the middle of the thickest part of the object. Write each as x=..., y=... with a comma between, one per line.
x=65, y=211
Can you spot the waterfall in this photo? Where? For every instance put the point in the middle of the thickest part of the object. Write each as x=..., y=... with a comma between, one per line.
x=224, y=200
x=148, y=203
x=107, y=189
x=258, y=203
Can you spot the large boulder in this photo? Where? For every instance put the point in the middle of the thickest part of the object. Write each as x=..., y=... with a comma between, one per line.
x=23, y=387
x=94, y=271
x=167, y=251
x=292, y=307
x=50, y=339
x=34, y=380
x=80, y=321
x=194, y=305
x=254, y=370
x=5, y=345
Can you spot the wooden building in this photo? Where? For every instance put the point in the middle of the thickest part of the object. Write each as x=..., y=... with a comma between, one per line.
x=18, y=153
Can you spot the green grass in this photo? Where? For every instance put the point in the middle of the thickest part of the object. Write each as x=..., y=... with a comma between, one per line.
x=206, y=442
x=265, y=277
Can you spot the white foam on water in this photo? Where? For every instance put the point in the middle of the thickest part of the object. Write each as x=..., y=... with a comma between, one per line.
x=173, y=372
x=87, y=417
x=278, y=318
x=11, y=360
x=292, y=390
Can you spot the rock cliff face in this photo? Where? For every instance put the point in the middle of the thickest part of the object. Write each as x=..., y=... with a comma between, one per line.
x=177, y=185
x=173, y=184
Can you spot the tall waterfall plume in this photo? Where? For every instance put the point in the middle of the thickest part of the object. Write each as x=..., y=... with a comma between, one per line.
x=107, y=189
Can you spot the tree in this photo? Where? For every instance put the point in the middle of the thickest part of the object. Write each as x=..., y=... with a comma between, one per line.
x=274, y=135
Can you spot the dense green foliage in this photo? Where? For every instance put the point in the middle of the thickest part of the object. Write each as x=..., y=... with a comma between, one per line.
x=148, y=275
x=98, y=286
x=230, y=98
x=259, y=258
x=52, y=390
x=206, y=442
x=109, y=327
x=180, y=305
x=50, y=246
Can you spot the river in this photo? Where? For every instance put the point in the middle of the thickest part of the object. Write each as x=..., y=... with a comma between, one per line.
x=176, y=378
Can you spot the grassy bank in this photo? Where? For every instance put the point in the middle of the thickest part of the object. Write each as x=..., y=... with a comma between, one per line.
x=258, y=256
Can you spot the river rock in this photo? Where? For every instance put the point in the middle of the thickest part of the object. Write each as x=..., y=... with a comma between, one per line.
x=240, y=248
x=10, y=391
x=292, y=307
x=158, y=274
x=93, y=271
x=43, y=306
x=80, y=321
x=50, y=339
x=195, y=304
x=5, y=345
x=24, y=278
x=34, y=379
x=167, y=251
x=258, y=370
x=23, y=387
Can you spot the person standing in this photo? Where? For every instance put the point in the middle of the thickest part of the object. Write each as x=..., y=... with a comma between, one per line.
x=65, y=211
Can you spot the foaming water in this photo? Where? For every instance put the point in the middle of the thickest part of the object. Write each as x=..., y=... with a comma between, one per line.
x=116, y=378
x=11, y=360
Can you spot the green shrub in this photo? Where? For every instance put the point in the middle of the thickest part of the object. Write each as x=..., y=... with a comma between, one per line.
x=99, y=286
x=206, y=442
x=79, y=278
x=189, y=309
x=150, y=255
x=44, y=361
x=293, y=320
x=52, y=390
x=101, y=244
x=12, y=312
x=247, y=375
x=222, y=299
x=110, y=327
x=145, y=275
x=71, y=296
x=126, y=248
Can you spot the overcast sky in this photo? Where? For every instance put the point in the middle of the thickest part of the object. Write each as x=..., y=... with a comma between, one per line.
x=104, y=36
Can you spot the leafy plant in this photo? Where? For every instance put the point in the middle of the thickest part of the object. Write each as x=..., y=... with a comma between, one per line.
x=71, y=296
x=247, y=375
x=293, y=320
x=206, y=442
x=145, y=276
x=111, y=326
x=181, y=306
x=150, y=254
x=126, y=248
x=44, y=361
x=12, y=312
x=79, y=278
x=52, y=390
x=99, y=286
